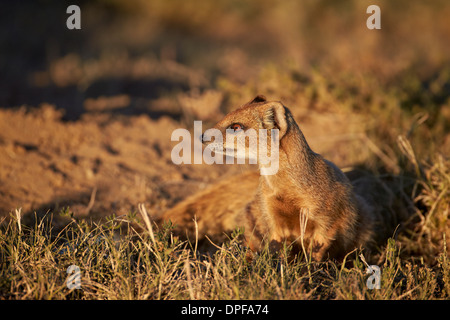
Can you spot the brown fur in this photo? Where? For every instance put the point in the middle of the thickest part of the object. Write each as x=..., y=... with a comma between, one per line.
x=215, y=209
x=270, y=207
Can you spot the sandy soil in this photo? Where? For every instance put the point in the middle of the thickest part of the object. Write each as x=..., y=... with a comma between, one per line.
x=98, y=165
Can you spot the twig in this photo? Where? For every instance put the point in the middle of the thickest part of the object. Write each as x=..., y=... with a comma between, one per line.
x=364, y=260
x=19, y=217
x=196, y=237
x=303, y=216
x=408, y=151
x=147, y=221
x=91, y=201
x=303, y=222
x=221, y=248
x=189, y=280
x=385, y=158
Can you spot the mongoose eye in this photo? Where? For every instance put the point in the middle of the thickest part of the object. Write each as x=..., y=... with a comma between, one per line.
x=236, y=127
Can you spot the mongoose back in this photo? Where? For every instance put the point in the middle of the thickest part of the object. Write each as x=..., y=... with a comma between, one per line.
x=308, y=203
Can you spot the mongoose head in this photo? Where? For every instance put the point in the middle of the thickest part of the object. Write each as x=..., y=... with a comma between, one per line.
x=250, y=132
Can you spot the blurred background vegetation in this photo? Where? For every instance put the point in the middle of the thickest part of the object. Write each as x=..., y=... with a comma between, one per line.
x=353, y=91
x=309, y=54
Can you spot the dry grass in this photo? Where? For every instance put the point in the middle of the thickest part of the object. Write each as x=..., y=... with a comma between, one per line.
x=116, y=262
x=376, y=100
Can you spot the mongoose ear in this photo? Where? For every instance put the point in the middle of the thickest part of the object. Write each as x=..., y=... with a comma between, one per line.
x=258, y=98
x=275, y=118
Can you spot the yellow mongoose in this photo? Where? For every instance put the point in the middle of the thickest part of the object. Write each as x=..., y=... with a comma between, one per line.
x=308, y=203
